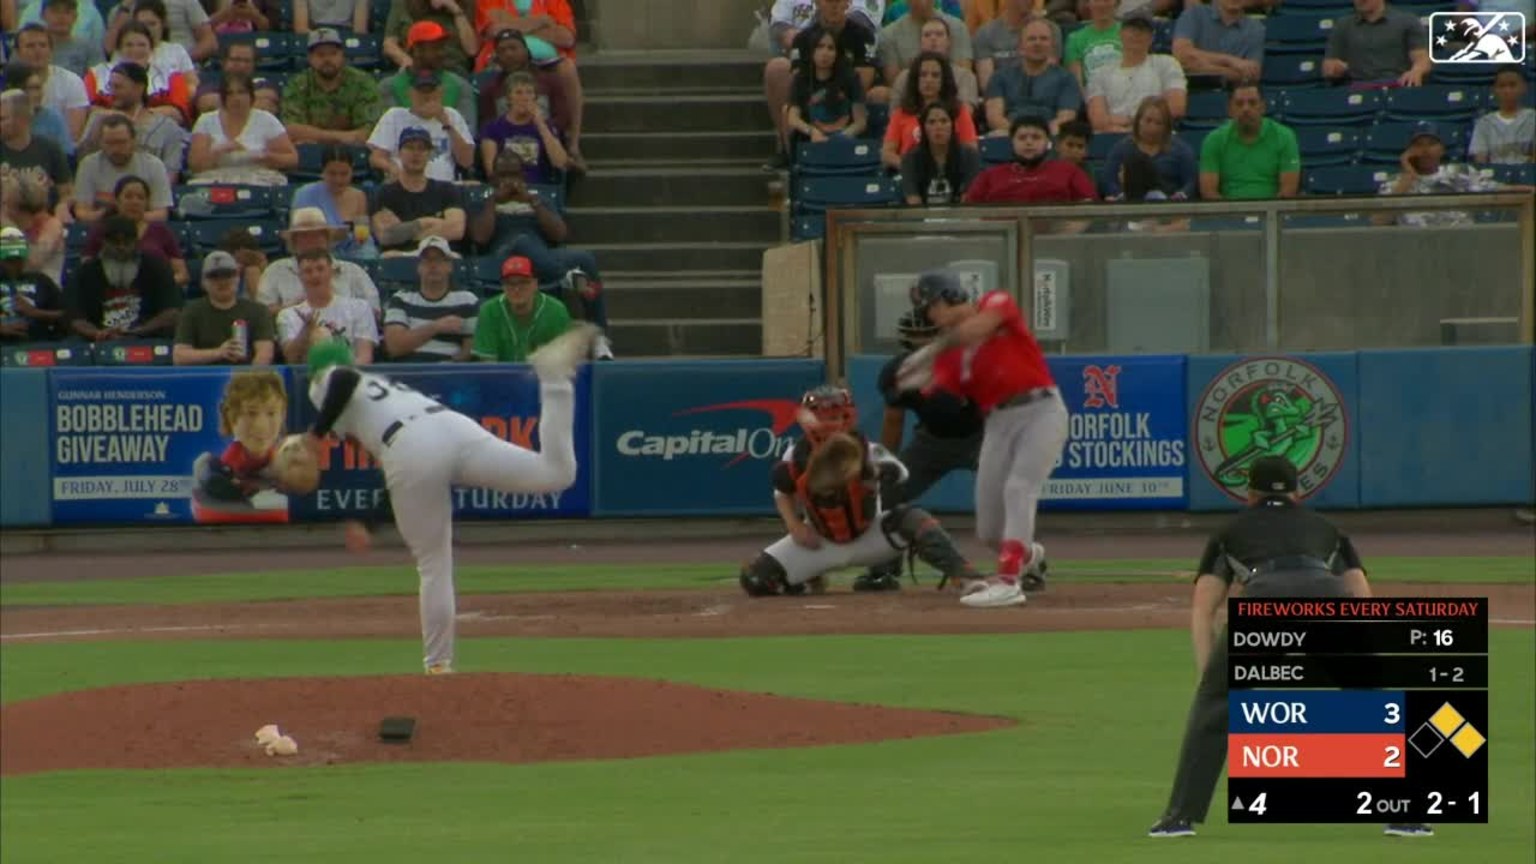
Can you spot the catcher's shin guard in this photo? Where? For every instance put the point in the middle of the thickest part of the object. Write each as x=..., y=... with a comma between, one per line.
x=764, y=577
x=930, y=542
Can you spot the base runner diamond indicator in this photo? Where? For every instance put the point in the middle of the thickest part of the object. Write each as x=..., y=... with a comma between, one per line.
x=1468, y=740
x=1426, y=740
x=1447, y=720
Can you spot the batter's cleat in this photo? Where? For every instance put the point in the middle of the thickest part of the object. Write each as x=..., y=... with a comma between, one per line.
x=559, y=359
x=1409, y=830
x=439, y=669
x=1172, y=828
x=877, y=582
x=994, y=595
x=1033, y=577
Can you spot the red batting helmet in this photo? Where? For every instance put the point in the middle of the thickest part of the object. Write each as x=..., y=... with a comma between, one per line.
x=827, y=410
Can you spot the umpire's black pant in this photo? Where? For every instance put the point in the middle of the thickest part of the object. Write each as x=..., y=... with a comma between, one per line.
x=928, y=458
x=1204, y=752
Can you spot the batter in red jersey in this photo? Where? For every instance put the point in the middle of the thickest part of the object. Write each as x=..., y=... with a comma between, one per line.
x=988, y=355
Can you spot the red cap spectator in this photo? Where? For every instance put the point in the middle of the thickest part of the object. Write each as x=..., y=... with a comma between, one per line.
x=424, y=31
x=517, y=265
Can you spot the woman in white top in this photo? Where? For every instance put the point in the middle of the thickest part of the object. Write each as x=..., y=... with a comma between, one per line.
x=168, y=57
x=240, y=143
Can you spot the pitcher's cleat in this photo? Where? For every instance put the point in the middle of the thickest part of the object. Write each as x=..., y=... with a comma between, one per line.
x=439, y=669
x=559, y=360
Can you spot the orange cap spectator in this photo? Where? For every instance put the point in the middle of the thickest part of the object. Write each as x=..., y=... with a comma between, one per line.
x=424, y=31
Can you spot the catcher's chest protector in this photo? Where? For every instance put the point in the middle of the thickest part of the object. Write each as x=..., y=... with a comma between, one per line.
x=842, y=517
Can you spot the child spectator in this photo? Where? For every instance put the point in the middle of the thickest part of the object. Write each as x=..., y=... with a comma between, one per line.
x=1507, y=134
x=1032, y=177
x=525, y=131
x=1072, y=142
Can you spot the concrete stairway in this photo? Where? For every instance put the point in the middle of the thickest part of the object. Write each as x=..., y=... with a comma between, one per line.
x=676, y=205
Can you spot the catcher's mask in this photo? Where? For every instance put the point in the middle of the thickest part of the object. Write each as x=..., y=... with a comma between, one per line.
x=826, y=411
x=936, y=285
x=914, y=329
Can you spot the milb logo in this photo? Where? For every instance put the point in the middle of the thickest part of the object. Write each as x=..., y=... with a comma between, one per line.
x=744, y=442
x=1476, y=37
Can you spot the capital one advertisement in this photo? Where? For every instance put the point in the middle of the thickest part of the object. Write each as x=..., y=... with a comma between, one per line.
x=680, y=438
x=505, y=401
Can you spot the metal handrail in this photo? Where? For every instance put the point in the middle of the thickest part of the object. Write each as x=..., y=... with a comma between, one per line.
x=1269, y=210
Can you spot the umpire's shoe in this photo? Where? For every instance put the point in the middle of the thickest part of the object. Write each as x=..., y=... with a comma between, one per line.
x=1167, y=827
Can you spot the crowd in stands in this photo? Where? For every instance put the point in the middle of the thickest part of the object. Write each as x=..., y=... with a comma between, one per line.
x=1060, y=101
x=236, y=177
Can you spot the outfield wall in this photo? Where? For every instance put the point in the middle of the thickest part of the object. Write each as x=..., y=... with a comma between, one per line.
x=118, y=445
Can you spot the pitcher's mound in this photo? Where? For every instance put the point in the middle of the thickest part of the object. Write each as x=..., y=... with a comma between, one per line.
x=466, y=718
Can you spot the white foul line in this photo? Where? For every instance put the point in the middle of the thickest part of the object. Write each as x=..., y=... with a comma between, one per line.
x=54, y=634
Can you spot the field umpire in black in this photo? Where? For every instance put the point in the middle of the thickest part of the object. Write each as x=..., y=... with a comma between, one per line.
x=1275, y=548
x=947, y=437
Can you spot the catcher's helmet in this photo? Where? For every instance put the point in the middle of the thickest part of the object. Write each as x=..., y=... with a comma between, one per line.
x=914, y=327
x=934, y=285
x=827, y=410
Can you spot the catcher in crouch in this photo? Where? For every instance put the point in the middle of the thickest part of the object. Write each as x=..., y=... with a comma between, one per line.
x=828, y=492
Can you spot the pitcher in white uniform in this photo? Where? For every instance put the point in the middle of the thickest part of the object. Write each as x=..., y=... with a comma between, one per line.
x=425, y=449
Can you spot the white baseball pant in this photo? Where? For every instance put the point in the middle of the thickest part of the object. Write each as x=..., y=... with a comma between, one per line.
x=801, y=565
x=435, y=452
x=1019, y=450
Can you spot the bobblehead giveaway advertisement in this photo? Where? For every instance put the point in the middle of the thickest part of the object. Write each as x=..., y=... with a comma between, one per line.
x=139, y=445
x=503, y=399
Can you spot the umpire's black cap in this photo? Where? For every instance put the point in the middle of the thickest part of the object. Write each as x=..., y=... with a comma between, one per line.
x=1272, y=475
x=941, y=284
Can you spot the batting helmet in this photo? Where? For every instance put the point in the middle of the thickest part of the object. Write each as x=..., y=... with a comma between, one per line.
x=827, y=410
x=913, y=328
x=935, y=285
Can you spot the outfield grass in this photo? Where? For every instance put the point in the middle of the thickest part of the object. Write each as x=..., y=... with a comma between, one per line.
x=400, y=581
x=1079, y=780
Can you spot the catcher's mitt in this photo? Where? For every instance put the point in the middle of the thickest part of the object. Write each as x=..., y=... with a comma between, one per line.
x=838, y=462
x=295, y=467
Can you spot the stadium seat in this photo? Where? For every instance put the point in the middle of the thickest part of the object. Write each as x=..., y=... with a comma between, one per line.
x=1100, y=145
x=204, y=235
x=996, y=150
x=1385, y=142
x=378, y=16
x=43, y=354
x=1292, y=70
x=364, y=51
x=1321, y=146
x=134, y=352
x=838, y=156
x=1518, y=175
x=276, y=78
x=224, y=201
x=400, y=271
x=1195, y=138
x=74, y=236
x=485, y=273
x=1207, y=110
x=1330, y=106
x=816, y=194
x=1478, y=76
x=1286, y=35
x=809, y=227
x=1441, y=103
x=1345, y=180
x=1162, y=35
x=274, y=51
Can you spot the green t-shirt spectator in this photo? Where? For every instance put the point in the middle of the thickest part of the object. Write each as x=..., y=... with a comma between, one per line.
x=1092, y=47
x=503, y=337
x=1249, y=170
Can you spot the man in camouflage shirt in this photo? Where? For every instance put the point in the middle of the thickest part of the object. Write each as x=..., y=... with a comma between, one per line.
x=330, y=102
x=1425, y=172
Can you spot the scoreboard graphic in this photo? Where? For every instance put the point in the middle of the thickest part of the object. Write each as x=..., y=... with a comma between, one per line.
x=1370, y=710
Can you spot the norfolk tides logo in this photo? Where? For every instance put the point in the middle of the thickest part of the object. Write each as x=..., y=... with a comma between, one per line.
x=1270, y=406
